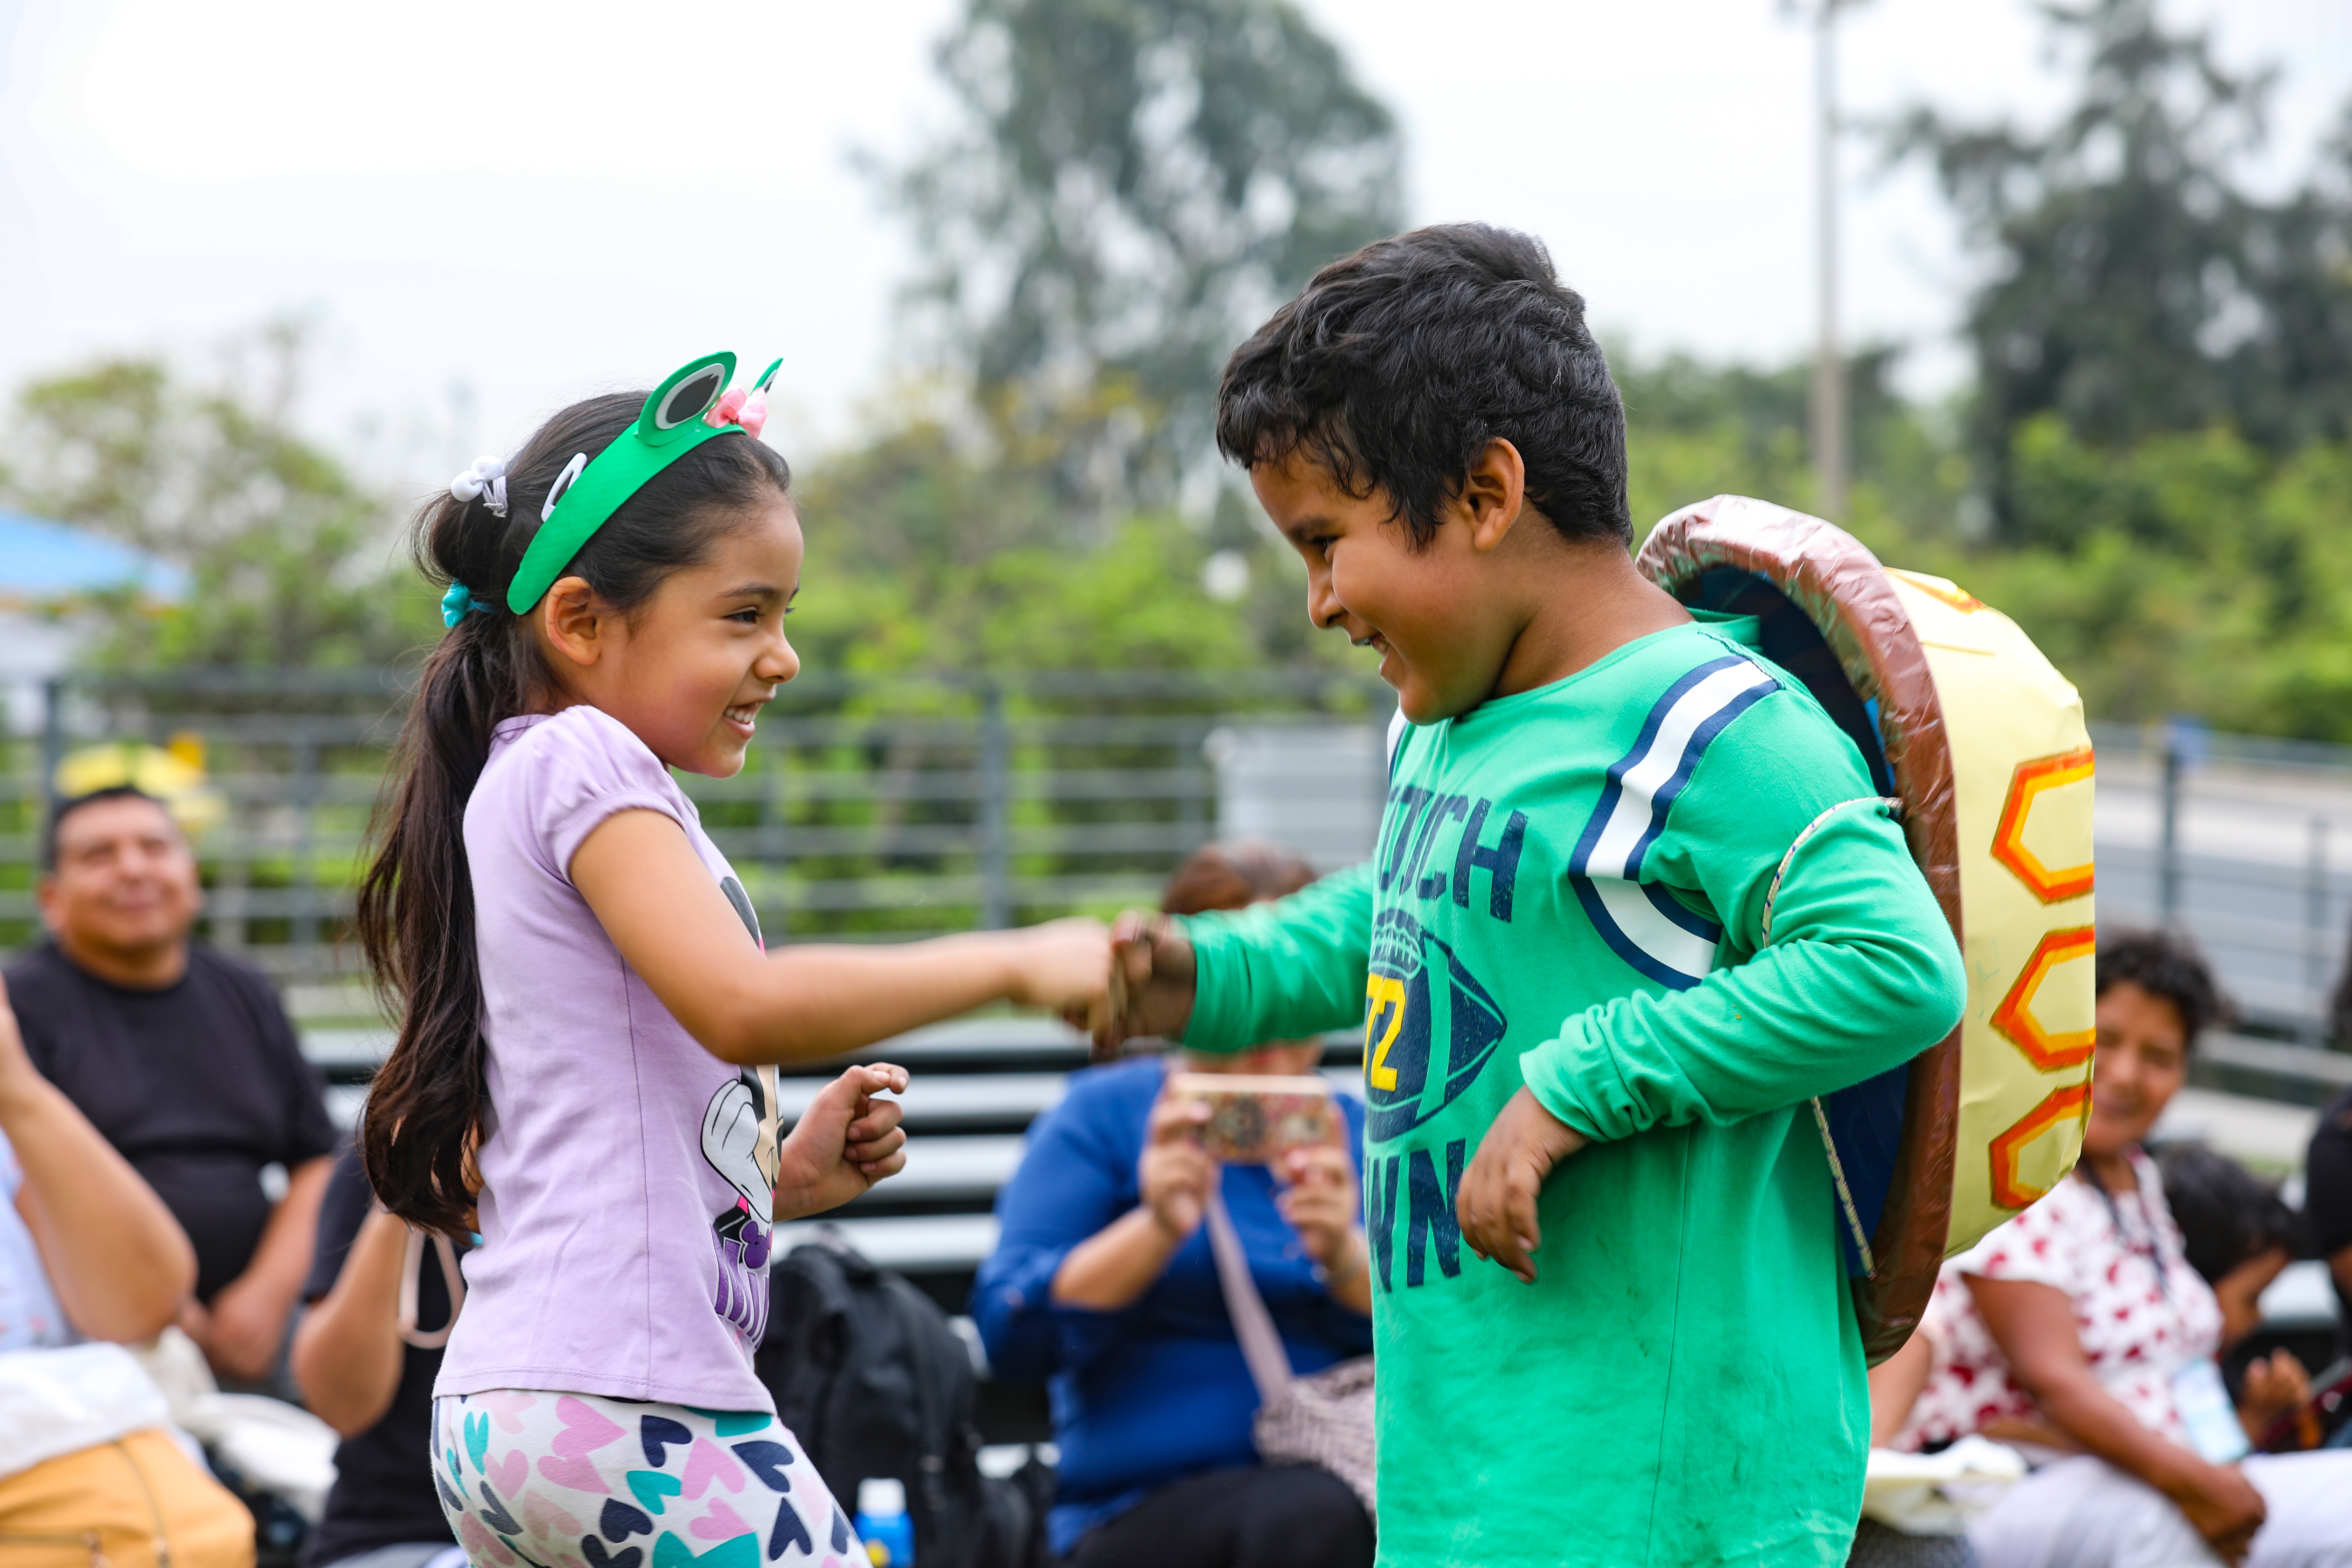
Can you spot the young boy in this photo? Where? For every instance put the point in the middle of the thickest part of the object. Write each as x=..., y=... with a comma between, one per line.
x=1584, y=1063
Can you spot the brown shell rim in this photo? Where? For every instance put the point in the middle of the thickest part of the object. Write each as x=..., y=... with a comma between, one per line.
x=1841, y=587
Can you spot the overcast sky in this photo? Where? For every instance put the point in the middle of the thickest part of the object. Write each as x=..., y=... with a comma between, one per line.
x=532, y=200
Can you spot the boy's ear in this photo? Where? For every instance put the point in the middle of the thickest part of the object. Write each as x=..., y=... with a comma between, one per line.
x=573, y=618
x=1493, y=494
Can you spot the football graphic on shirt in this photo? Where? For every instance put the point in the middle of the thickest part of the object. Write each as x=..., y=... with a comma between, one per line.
x=1417, y=991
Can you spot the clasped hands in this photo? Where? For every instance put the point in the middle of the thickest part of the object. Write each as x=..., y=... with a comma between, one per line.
x=1149, y=990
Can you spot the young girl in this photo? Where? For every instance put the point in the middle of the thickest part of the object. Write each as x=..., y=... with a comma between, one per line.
x=588, y=1022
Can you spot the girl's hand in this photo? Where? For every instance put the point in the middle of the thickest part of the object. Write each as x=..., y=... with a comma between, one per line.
x=1497, y=1203
x=844, y=1143
x=1321, y=1206
x=1175, y=1171
x=1064, y=965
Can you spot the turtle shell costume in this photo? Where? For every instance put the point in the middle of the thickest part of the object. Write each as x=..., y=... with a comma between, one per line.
x=1961, y=719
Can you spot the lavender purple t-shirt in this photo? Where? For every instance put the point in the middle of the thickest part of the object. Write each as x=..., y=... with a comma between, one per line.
x=627, y=1173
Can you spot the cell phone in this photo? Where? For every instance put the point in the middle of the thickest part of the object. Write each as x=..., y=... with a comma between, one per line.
x=1256, y=1119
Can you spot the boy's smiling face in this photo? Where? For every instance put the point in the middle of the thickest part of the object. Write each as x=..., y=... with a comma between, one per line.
x=1433, y=613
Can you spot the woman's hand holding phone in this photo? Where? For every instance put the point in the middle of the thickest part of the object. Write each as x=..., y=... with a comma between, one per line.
x=1322, y=1205
x=1175, y=1172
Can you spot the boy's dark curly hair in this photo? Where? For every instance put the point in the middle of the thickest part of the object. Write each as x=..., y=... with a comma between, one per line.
x=1396, y=366
x=2165, y=966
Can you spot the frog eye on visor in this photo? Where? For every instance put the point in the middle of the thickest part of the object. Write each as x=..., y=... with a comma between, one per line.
x=685, y=397
x=563, y=481
x=690, y=399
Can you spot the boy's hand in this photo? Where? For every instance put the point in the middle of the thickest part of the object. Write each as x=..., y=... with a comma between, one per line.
x=1151, y=982
x=1497, y=1203
x=844, y=1143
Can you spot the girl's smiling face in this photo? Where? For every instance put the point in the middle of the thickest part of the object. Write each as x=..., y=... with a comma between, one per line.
x=689, y=668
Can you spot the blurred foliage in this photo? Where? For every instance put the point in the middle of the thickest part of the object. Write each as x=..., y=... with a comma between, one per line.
x=2153, y=475
x=2137, y=288
x=1132, y=186
x=1694, y=430
x=2190, y=572
x=286, y=550
x=936, y=548
x=2199, y=574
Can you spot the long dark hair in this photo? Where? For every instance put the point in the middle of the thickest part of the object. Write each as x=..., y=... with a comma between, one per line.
x=416, y=915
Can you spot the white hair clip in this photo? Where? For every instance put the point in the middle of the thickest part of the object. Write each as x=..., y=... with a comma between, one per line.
x=486, y=477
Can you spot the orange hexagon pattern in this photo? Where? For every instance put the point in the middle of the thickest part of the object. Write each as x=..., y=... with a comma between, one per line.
x=2014, y=1018
x=2009, y=1190
x=2025, y=787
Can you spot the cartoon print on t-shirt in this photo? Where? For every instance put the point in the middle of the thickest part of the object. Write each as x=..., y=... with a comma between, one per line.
x=742, y=1139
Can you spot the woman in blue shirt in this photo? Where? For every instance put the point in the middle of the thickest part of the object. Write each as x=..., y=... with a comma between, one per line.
x=1103, y=1283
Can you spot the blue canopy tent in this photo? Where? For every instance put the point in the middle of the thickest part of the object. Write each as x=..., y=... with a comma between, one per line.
x=45, y=568
x=42, y=562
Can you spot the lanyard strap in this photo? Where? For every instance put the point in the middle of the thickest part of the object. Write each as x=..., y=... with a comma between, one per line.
x=2155, y=1254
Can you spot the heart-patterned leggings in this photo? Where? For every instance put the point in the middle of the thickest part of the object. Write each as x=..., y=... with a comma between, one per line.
x=534, y=1479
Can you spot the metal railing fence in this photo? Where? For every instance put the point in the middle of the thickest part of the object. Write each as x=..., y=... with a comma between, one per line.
x=2243, y=842
x=880, y=806
x=890, y=806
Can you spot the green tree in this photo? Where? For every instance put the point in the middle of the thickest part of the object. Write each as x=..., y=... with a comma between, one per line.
x=2199, y=574
x=1133, y=185
x=2136, y=287
x=288, y=552
x=933, y=549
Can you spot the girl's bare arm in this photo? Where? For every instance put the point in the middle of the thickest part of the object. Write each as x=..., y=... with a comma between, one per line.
x=657, y=902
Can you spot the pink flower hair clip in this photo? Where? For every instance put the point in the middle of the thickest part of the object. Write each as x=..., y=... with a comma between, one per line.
x=749, y=410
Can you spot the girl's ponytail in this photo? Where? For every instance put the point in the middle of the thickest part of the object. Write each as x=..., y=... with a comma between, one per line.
x=416, y=911
x=417, y=927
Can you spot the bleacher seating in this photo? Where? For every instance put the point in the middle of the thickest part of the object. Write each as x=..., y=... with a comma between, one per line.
x=977, y=1085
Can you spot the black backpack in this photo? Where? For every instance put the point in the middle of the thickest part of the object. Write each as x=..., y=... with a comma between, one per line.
x=869, y=1376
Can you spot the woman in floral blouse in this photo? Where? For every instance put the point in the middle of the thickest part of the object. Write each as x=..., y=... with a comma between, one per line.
x=2080, y=1331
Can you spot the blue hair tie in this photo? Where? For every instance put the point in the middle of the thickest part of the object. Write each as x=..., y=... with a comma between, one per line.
x=458, y=603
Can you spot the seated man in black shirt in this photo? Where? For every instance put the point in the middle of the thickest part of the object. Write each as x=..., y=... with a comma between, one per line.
x=185, y=1060
x=383, y=1299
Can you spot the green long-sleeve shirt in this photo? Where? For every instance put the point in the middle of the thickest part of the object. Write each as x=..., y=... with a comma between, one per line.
x=1568, y=893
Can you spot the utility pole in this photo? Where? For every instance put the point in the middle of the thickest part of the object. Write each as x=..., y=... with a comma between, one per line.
x=1829, y=420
